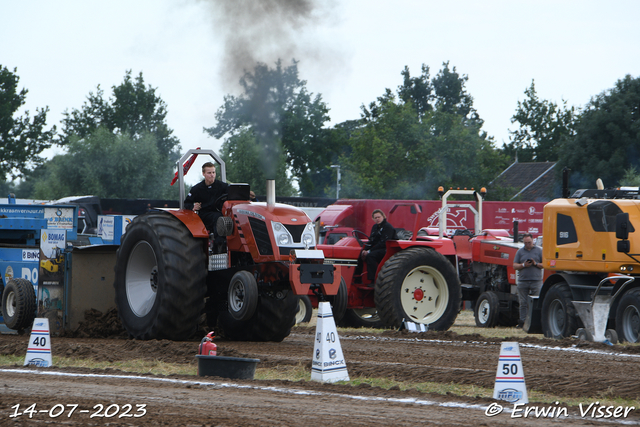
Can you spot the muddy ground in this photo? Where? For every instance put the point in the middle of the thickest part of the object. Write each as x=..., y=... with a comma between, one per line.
x=567, y=368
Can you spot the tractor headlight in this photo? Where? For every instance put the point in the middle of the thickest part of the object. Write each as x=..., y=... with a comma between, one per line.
x=307, y=240
x=309, y=236
x=284, y=240
x=281, y=234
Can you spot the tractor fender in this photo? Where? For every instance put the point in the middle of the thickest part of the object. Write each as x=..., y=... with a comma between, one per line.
x=443, y=246
x=191, y=220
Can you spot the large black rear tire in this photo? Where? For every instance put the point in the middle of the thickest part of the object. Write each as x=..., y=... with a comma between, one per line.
x=559, y=318
x=273, y=319
x=18, y=304
x=160, y=278
x=419, y=285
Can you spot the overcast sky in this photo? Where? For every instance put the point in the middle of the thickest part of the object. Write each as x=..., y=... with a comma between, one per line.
x=349, y=50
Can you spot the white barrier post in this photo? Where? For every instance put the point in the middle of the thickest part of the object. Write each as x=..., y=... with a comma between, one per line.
x=328, y=364
x=39, y=349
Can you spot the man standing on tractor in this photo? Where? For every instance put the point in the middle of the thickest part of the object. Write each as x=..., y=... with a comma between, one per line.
x=205, y=198
x=528, y=261
x=375, y=250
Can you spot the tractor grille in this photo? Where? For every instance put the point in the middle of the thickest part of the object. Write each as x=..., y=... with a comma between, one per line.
x=296, y=231
x=261, y=234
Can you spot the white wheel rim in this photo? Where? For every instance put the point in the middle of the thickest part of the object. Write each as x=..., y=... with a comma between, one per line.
x=484, y=311
x=236, y=295
x=424, y=295
x=142, y=279
x=11, y=304
x=302, y=311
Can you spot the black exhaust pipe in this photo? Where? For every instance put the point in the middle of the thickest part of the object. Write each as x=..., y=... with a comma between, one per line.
x=515, y=231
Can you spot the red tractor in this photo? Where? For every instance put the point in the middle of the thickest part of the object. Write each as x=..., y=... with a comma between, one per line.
x=416, y=281
x=480, y=259
x=485, y=265
x=169, y=273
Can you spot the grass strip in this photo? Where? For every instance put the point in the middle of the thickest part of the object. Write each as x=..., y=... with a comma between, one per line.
x=301, y=372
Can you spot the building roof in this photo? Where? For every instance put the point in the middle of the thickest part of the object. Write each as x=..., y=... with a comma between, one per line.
x=532, y=181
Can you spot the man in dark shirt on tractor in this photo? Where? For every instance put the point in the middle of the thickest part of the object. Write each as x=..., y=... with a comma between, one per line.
x=203, y=196
x=375, y=250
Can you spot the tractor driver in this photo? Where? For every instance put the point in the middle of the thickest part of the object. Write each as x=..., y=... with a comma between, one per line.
x=202, y=197
x=375, y=250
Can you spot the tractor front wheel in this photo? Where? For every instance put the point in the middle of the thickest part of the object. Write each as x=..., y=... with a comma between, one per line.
x=273, y=319
x=339, y=302
x=305, y=309
x=418, y=285
x=243, y=295
x=486, y=310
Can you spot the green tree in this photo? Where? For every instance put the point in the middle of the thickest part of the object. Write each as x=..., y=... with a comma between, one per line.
x=406, y=148
x=107, y=165
x=544, y=126
x=22, y=138
x=417, y=90
x=451, y=95
x=284, y=118
x=631, y=178
x=607, y=137
x=134, y=109
x=446, y=93
x=241, y=167
x=387, y=149
x=396, y=155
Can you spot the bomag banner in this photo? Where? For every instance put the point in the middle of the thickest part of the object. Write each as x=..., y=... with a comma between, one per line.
x=51, y=277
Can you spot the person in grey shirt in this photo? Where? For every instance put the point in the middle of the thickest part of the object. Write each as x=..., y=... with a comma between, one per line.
x=528, y=261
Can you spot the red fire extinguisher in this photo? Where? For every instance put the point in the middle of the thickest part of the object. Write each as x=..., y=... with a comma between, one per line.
x=207, y=346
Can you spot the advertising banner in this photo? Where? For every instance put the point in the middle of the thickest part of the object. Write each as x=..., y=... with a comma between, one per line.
x=51, y=278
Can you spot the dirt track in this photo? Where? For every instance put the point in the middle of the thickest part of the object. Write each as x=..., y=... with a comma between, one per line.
x=567, y=368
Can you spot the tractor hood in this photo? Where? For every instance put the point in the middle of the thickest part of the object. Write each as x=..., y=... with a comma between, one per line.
x=285, y=214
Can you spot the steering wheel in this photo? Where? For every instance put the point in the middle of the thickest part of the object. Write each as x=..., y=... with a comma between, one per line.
x=217, y=205
x=355, y=234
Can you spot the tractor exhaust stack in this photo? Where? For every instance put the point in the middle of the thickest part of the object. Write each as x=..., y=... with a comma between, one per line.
x=271, y=193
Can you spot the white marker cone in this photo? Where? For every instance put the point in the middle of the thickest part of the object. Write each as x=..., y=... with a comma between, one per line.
x=39, y=349
x=510, y=384
x=413, y=327
x=328, y=364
